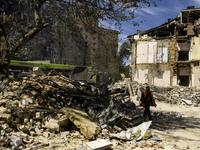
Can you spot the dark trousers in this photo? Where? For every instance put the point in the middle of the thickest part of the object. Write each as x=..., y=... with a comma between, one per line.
x=147, y=111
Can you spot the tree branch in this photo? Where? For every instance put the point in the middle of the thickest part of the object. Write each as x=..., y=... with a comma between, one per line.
x=39, y=26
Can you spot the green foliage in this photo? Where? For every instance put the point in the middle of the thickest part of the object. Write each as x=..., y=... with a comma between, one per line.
x=124, y=53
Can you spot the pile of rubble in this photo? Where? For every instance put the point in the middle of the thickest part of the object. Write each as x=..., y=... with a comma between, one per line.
x=37, y=108
x=180, y=95
x=51, y=110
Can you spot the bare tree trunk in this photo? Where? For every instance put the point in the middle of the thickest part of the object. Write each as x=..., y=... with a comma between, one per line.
x=5, y=53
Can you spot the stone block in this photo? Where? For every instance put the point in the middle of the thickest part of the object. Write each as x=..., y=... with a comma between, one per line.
x=39, y=115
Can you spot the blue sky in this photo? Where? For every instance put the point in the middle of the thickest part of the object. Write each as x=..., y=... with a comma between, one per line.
x=155, y=16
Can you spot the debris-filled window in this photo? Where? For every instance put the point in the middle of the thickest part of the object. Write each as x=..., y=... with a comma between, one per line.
x=184, y=80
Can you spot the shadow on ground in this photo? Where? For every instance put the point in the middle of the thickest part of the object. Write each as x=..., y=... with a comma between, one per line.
x=165, y=121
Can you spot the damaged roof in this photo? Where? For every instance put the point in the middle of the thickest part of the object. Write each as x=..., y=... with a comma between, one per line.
x=190, y=15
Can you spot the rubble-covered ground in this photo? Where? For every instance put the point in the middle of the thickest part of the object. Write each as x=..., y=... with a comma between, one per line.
x=53, y=112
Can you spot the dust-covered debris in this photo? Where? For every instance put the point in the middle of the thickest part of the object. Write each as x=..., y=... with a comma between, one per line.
x=32, y=107
x=180, y=95
x=37, y=112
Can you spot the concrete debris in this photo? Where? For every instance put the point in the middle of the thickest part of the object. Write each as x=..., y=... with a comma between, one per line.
x=109, y=114
x=16, y=141
x=135, y=133
x=51, y=110
x=174, y=94
x=38, y=71
x=43, y=106
x=178, y=95
x=147, y=135
x=82, y=121
x=97, y=145
x=52, y=124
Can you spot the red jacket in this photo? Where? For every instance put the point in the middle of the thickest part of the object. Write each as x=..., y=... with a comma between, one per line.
x=143, y=98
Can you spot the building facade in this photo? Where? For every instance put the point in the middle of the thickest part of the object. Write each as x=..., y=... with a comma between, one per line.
x=169, y=54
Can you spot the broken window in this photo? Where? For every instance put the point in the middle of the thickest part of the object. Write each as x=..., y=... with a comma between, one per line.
x=162, y=55
x=184, y=72
x=182, y=31
x=151, y=50
x=183, y=50
x=159, y=55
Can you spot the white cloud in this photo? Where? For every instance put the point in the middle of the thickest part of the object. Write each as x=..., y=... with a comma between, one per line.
x=155, y=11
x=197, y=2
x=146, y=11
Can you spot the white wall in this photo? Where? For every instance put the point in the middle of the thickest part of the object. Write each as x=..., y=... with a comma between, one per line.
x=159, y=78
x=142, y=52
x=162, y=78
x=196, y=77
x=141, y=75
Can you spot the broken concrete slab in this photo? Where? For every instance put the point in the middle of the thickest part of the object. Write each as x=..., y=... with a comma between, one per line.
x=52, y=124
x=38, y=71
x=186, y=102
x=130, y=134
x=82, y=121
x=16, y=141
x=100, y=144
x=63, y=122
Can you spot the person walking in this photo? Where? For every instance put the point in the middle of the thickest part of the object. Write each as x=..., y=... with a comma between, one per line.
x=147, y=100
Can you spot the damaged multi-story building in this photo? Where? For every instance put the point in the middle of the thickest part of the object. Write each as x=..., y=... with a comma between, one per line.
x=168, y=55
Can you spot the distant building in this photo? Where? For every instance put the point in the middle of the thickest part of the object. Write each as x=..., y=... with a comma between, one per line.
x=66, y=40
x=76, y=44
x=169, y=54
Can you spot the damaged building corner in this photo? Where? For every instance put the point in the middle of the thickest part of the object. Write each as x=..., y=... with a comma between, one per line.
x=168, y=55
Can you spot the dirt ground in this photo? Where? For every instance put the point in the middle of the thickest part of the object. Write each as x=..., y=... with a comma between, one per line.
x=177, y=125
